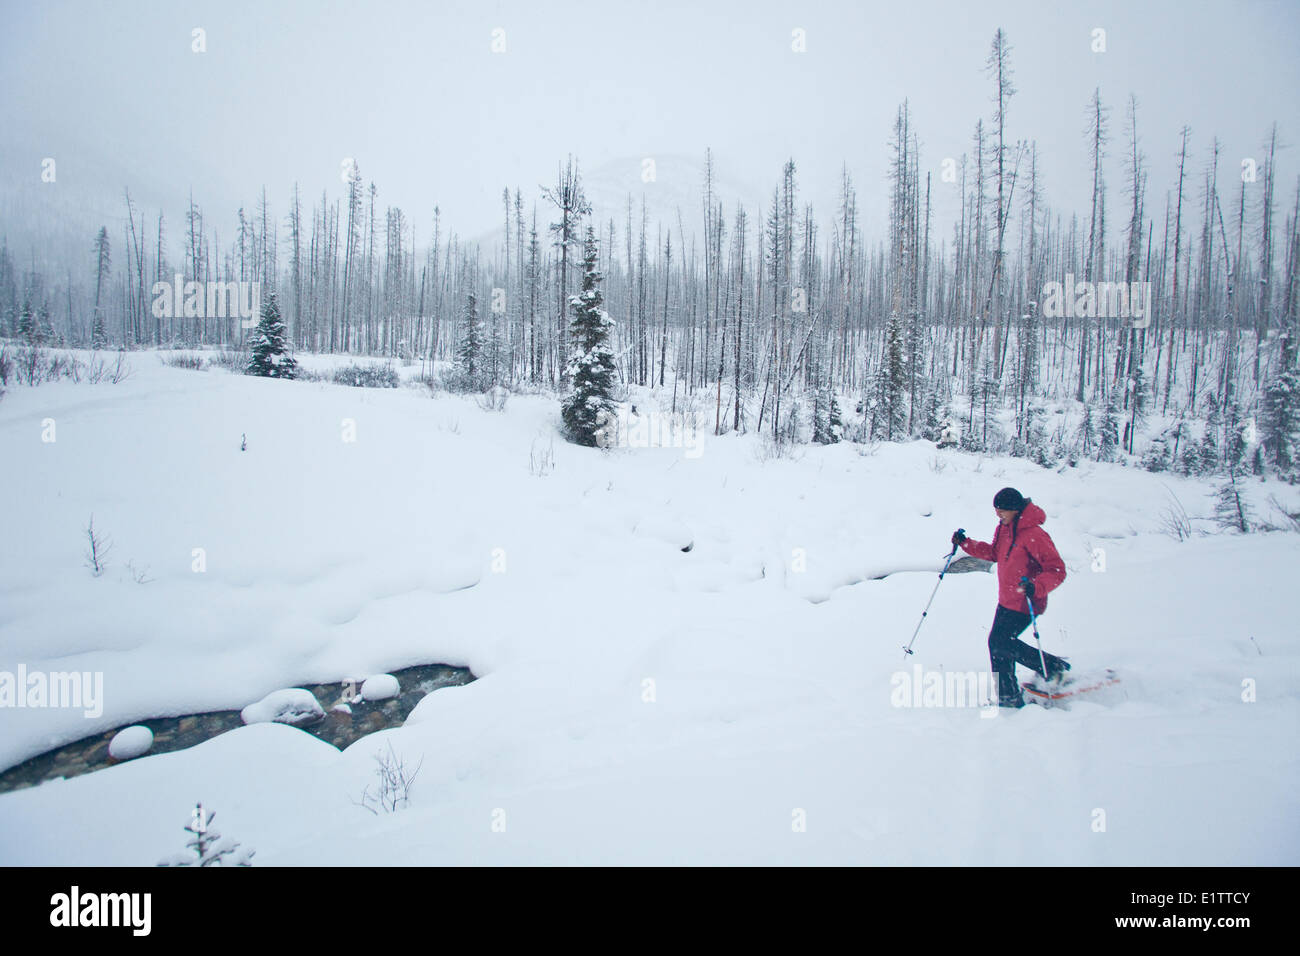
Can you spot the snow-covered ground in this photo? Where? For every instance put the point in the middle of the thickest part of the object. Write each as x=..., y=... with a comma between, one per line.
x=636, y=703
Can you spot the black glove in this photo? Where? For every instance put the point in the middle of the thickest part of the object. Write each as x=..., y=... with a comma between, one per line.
x=958, y=537
x=1028, y=587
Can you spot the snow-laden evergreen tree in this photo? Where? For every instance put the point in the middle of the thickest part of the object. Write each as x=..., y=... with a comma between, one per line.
x=207, y=847
x=1035, y=441
x=1210, y=461
x=1026, y=373
x=497, y=356
x=836, y=418
x=1236, y=442
x=590, y=370
x=1190, y=462
x=987, y=391
x=893, y=383
x=931, y=420
x=828, y=423
x=1087, y=433
x=1138, y=397
x=821, y=417
x=949, y=432
x=44, y=326
x=99, y=335
x=1156, y=458
x=27, y=324
x=1280, y=413
x=268, y=344
x=1230, y=508
x=1108, y=436
x=469, y=371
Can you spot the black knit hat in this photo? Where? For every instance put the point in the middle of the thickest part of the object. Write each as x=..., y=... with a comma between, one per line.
x=1008, y=499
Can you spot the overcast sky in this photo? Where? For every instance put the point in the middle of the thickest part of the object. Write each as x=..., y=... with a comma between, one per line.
x=287, y=89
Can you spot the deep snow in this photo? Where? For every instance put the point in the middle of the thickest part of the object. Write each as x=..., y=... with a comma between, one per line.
x=637, y=703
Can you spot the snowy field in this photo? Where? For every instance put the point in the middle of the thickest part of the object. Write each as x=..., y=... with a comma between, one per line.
x=636, y=702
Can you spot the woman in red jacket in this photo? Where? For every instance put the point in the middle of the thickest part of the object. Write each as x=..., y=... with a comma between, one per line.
x=1021, y=548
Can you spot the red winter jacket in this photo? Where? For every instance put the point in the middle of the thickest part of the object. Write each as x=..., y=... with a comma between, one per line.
x=1022, y=549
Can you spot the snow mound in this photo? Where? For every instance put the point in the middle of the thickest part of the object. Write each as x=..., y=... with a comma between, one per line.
x=456, y=572
x=667, y=528
x=293, y=706
x=380, y=687
x=130, y=742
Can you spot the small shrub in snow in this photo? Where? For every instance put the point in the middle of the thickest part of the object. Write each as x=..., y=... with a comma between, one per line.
x=1292, y=518
x=230, y=359
x=494, y=399
x=770, y=449
x=100, y=371
x=138, y=575
x=192, y=362
x=98, y=547
x=207, y=846
x=367, y=376
x=30, y=366
x=393, y=790
x=541, y=461
x=1174, y=520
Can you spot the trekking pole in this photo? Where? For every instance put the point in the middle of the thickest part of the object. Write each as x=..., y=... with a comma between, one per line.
x=1034, y=619
x=908, y=648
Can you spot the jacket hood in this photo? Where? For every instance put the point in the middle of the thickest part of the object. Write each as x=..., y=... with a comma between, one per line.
x=1031, y=517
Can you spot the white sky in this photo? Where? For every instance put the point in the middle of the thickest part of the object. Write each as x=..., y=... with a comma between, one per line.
x=288, y=88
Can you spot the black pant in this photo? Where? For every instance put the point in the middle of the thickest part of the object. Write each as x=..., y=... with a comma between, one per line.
x=1006, y=651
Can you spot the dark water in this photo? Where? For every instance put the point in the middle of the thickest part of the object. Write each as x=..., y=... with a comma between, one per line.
x=176, y=733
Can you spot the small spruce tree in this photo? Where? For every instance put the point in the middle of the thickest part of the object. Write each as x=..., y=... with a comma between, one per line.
x=1230, y=509
x=1209, y=439
x=835, y=419
x=1280, y=413
x=893, y=382
x=1108, y=436
x=268, y=344
x=1138, y=399
x=99, y=335
x=207, y=846
x=1087, y=433
x=27, y=330
x=828, y=424
x=590, y=404
x=469, y=353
